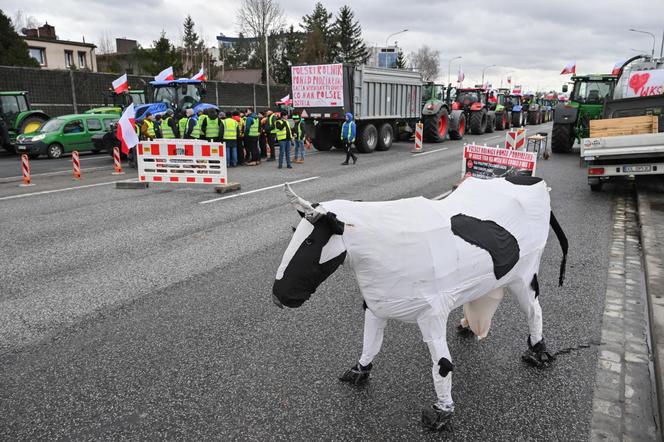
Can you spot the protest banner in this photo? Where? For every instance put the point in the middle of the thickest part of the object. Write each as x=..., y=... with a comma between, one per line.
x=493, y=162
x=318, y=85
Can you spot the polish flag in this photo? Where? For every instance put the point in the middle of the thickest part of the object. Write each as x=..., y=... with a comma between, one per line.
x=617, y=66
x=200, y=76
x=570, y=68
x=460, y=76
x=121, y=84
x=285, y=100
x=509, y=79
x=126, y=131
x=165, y=75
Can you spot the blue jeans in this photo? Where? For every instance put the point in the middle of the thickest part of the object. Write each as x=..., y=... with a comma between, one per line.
x=231, y=153
x=284, y=151
x=299, y=149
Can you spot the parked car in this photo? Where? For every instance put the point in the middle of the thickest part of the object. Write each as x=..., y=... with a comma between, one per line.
x=65, y=134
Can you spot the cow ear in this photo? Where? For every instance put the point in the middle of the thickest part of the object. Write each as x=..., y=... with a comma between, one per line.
x=336, y=225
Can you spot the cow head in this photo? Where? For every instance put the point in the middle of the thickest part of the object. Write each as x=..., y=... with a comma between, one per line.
x=314, y=253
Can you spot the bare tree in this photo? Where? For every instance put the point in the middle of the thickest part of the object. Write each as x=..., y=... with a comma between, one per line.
x=258, y=18
x=24, y=21
x=427, y=61
x=105, y=43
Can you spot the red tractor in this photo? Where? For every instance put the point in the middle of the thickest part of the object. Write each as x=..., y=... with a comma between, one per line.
x=473, y=103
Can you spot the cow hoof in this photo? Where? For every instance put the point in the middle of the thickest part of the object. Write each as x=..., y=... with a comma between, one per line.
x=357, y=374
x=436, y=418
x=464, y=332
x=537, y=356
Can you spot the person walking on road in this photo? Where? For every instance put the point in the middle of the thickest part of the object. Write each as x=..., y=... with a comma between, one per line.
x=298, y=136
x=231, y=134
x=252, y=132
x=285, y=138
x=348, y=138
x=147, y=128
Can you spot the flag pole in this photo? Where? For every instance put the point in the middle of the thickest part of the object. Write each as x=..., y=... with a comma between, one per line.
x=267, y=72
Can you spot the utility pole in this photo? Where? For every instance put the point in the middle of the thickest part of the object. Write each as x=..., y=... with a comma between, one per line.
x=267, y=73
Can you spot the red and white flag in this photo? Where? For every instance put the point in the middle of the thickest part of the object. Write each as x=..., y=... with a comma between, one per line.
x=121, y=84
x=617, y=66
x=165, y=75
x=509, y=79
x=126, y=131
x=570, y=68
x=200, y=76
x=460, y=76
x=285, y=100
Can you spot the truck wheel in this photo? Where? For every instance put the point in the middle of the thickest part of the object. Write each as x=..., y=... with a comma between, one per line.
x=368, y=139
x=478, y=122
x=490, y=123
x=501, y=121
x=460, y=131
x=562, y=138
x=324, y=140
x=385, y=137
x=55, y=150
x=31, y=124
x=597, y=187
x=436, y=127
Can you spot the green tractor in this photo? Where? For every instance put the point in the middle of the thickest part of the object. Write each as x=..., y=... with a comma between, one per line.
x=503, y=108
x=571, y=120
x=439, y=118
x=16, y=118
x=118, y=102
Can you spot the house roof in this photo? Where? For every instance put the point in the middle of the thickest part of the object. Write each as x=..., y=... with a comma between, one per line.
x=64, y=42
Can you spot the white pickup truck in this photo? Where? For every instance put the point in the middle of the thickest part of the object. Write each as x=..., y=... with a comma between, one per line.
x=610, y=158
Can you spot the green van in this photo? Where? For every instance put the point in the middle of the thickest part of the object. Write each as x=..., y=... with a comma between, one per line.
x=65, y=134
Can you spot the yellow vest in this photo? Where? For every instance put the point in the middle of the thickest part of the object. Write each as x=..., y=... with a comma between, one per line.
x=182, y=125
x=212, y=129
x=230, y=129
x=150, y=128
x=166, y=129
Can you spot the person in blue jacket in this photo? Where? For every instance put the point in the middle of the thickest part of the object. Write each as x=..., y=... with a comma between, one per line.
x=348, y=138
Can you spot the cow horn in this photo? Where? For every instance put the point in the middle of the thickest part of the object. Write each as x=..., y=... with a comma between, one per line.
x=310, y=212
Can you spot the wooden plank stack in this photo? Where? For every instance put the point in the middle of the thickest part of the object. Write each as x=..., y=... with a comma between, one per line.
x=614, y=127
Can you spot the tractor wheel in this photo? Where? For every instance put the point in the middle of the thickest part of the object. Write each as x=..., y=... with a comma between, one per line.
x=501, y=121
x=460, y=131
x=367, y=139
x=31, y=124
x=490, y=123
x=385, y=137
x=516, y=119
x=55, y=150
x=478, y=120
x=436, y=127
x=562, y=138
x=508, y=120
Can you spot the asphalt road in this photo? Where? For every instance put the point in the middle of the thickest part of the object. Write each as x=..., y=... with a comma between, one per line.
x=143, y=314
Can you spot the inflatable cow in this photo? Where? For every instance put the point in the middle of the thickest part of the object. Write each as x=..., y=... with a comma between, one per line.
x=417, y=259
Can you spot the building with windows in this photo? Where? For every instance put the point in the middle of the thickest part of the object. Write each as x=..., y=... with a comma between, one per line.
x=383, y=57
x=52, y=53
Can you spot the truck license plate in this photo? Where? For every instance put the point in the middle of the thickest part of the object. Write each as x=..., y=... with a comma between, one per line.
x=637, y=168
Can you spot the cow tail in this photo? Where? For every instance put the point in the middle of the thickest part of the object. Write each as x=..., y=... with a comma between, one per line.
x=562, y=239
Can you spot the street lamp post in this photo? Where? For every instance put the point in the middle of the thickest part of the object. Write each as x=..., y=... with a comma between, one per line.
x=653, y=39
x=267, y=73
x=449, y=67
x=484, y=70
x=392, y=35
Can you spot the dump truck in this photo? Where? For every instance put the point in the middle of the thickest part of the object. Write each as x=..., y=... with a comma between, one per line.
x=386, y=103
x=17, y=117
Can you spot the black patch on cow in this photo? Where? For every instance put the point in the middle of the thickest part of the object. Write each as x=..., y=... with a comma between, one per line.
x=535, y=285
x=523, y=180
x=364, y=305
x=501, y=244
x=445, y=366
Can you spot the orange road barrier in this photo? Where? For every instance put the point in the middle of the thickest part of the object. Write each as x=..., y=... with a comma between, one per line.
x=76, y=161
x=419, y=128
x=25, y=168
x=116, y=161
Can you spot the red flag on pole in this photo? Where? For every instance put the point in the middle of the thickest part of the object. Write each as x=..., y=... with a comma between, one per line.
x=121, y=84
x=200, y=76
x=126, y=131
x=570, y=68
x=165, y=75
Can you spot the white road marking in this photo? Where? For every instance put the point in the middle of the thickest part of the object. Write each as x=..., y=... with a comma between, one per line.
x=429, y=151
x=45, y=192
x=54, y=173
x=257, y=190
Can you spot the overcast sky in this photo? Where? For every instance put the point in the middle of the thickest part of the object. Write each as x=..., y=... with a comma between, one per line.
x=531, y=40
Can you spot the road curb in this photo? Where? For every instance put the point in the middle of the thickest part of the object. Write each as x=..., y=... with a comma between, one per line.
x=230, y=187
x=653, y=250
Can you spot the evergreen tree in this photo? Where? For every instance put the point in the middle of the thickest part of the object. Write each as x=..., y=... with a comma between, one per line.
x=193, y=53
x=319, y=44
x=13, y=49
x=401, y=60
x=348, y=44
x=239, y=56
x=289, y=48
x=162, y=54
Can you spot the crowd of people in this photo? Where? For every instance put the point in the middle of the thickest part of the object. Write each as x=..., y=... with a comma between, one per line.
x=250, y=137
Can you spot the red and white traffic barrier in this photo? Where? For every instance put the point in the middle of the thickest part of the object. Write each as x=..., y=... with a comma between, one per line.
x=515, y=139
x=76, y=161
x=419, y=129
x=116, y=161
x=182, y=161
x=25, y=169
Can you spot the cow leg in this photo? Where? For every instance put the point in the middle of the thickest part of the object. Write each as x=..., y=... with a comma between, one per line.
x=374, y=328
x=536, y=354
x=433, y=330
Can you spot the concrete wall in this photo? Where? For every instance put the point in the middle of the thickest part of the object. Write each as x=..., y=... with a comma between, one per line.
x=60, y=92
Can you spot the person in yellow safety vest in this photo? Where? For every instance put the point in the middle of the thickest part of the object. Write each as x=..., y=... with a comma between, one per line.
x=190, y=124
x=182, y=126
x=197, y=132
x=298, y=137
x=210, y=126
x=138, y=130
x=285, y=138
x=169, y=129
x=147, y=128
x=251, y=134
x=241, y=153
x=271, y=133
x=231, y=134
